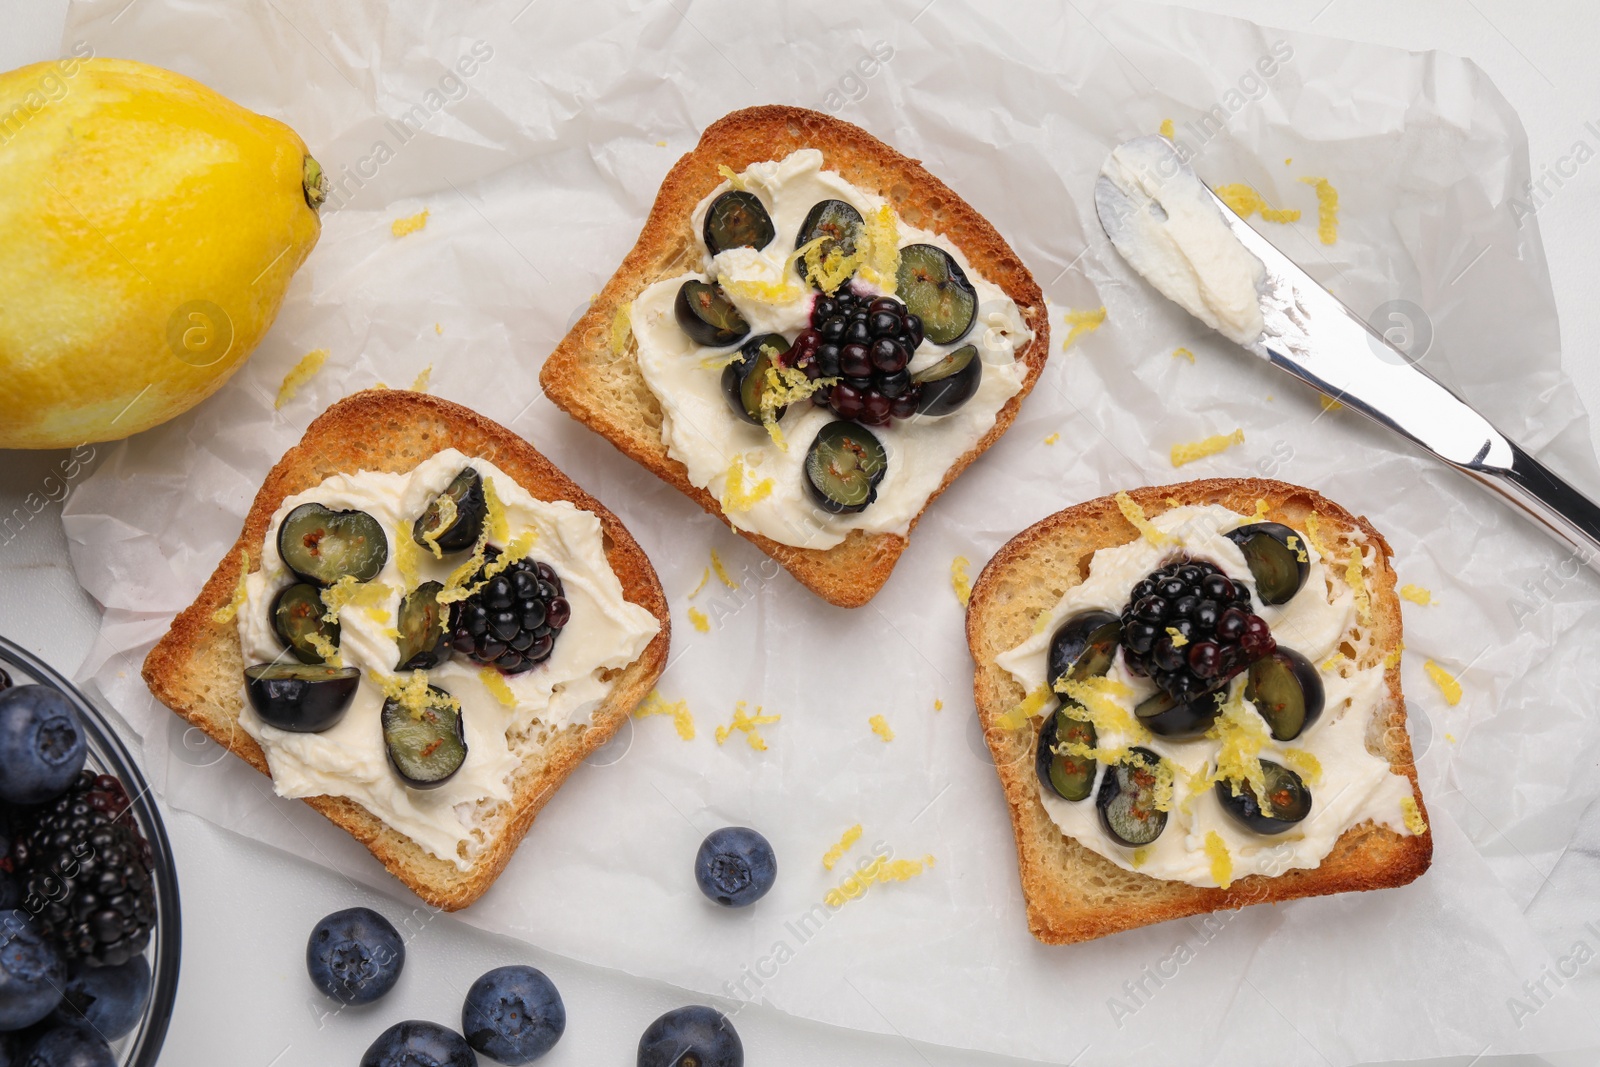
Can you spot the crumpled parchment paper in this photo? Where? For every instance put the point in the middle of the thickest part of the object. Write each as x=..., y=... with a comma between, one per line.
x=536, y=136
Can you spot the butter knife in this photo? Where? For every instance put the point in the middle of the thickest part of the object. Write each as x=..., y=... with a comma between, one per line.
x=1312, y=335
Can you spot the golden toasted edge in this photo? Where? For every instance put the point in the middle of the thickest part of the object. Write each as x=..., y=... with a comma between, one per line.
x=362, y=432
x=1365, y=857
x=851, y=573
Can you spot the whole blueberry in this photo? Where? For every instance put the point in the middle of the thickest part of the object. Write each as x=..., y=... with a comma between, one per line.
x=419, y=1044
x=109, y=999
x=355, y=956
x=69, y=1045
x=735, y=866
x=31, y=972
x=695, y=1035
x=42, y=744
x=513, y=1015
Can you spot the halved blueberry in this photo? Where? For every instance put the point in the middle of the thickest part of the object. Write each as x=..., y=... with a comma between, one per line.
x=843, y=467
x=1288, y=800
x=744, y=381
x=1162, y=714
x=1287, y=690
x=453, y=519
x=425, y=626
x=321, y=545
x=305, y=698
x=298, y=614
x=949, y=383
x=840, y=226
x=737, y=219
x=1127, y=799
x=705, y=313
x=936, y=290
x=427, y=746
x=1070, y=776
x=1084, y=646
x=1279, y=567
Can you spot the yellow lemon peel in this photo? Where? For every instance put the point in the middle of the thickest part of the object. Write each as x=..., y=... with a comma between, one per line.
x=785, y=386
x=1329, y=403
x=1183, y=353
x=1140, y=855
x=1448, y=686
x=840, y=847
x=1327, y=209
x=959, y=580
x=938, y=705
x=419, y=384
x=1082, y=322
x=880, y=726
x=1031, y=705
x=1167, y=129
x=1303, y=763
x=1178, y=640
x=229, y=611
x=1221, y=861
x=728, y=174
x=447, y=519
x=656, y=704
x=406, y=559
x=1052, y=439
x=878, y=872
x=410, y=224
x=743, y=720
x=1413, y=816
x=349, y=591
x=1190, y=451
x=300, y=374
x=1097, y=698
x=496, y=523
x=412, y=693
x=1392, y=660
x=735, y=497
x=721, y=571
x=1417, y=594
x=1356, y=578
x=698, y=619
x=1245, y=201
x=883, y=249
x=1135, y=514
x=1242, y=734
x=704, y=578
x=621, y=328
x=326, y=649
x=496, y=683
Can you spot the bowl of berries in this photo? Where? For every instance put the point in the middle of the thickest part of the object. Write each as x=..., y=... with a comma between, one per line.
x=89, y=927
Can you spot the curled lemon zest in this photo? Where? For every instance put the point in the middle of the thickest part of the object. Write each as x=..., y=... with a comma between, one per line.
x=1327, y=209
x=1356, y=578
x=1221, y=861
x=704, y=578
x=735, y=497
x=655, y=704
x=1303, y=763
x=326, y=649
x=495, y=682
x=1052, y=439
x=496, y=523
x=1098, y=698
x=300, y=374
x=729, y=176
x=410, y=224
x=1183, y=353
x=1139, y=857
x=406, y=560
x=1417, y=594
x=1242, y=734
x=419, y=384
x=1178, y=640
x=1190, y=451
x=1135, y=514
x=348, y=590
x=1260, y=514
x=1413, y=815
x=1031, y=705
x=1314, y=535
x=721, y=571
x=447, y=518
x=785, y=386
x=879, y=871
x=412, y=693
x=1082, y=322
x=1392, y=660
x=883, y=249
x=1167, y=129
x=1245, y=201
x=1447, y=683
x=229, y=611
x=699, y=620
x=836, y=853
x=959, y=580
x=1294, y=542
x=938, y=705
x=744, y=721
x=718, y=362
x=880, y=726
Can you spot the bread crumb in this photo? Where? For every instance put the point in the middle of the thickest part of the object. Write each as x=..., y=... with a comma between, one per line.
x=1221, y=861
x=621, y=328
x=1245, y=201
x=721, y=571
x=409, y=224
x=1167, y=129
x=877, y=872
x=1052, y=439
x=300, y=374
x=938, y=705
x=1447, y=683
x=880, y=726
x=1183, y=353
x=655, y=704
x=959, y=581
x=704, y=578
x=746, y=722
x=834, y=854
x=419, y=384
x=229, y=611
x=1135, y=514
x=495, y=682
x=1327, y=209
x=1329, y=403
x=1082, y=322
x=1210, y=446
x=1417, y=594
x=735, y=497
x=1413, y=815
x=698, y=618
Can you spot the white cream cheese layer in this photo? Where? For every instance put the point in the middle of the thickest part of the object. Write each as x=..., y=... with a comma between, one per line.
x=1170, y=230
x=702, y=433
x=350, y=760
x=1353, y=786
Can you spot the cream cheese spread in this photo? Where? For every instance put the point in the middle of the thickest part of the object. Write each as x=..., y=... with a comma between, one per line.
x=1165, y=224
x=350, y=759
x=701, y=433
x=1353, y=785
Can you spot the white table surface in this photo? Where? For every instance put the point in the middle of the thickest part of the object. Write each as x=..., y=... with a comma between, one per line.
x=244, y=999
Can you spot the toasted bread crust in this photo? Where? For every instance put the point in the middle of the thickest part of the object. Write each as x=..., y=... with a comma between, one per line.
x=607, y=392
x=1074, y=894
x=196, y=668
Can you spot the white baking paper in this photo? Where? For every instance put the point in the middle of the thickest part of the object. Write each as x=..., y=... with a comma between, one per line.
x=535, y=134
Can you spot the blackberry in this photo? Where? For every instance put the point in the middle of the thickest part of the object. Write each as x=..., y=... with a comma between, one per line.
x=512, y=623
x=85, y=873
x=1190, y=628
x=867, y=343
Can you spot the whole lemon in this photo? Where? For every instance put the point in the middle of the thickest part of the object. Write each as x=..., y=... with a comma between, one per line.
x=148, y=230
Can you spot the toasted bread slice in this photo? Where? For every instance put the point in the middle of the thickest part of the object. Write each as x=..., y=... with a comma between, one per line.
x=1074, y=894
x=605, y=390
x=196, y=669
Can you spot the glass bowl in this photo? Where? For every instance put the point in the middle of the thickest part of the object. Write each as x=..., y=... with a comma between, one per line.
x=108, y=755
